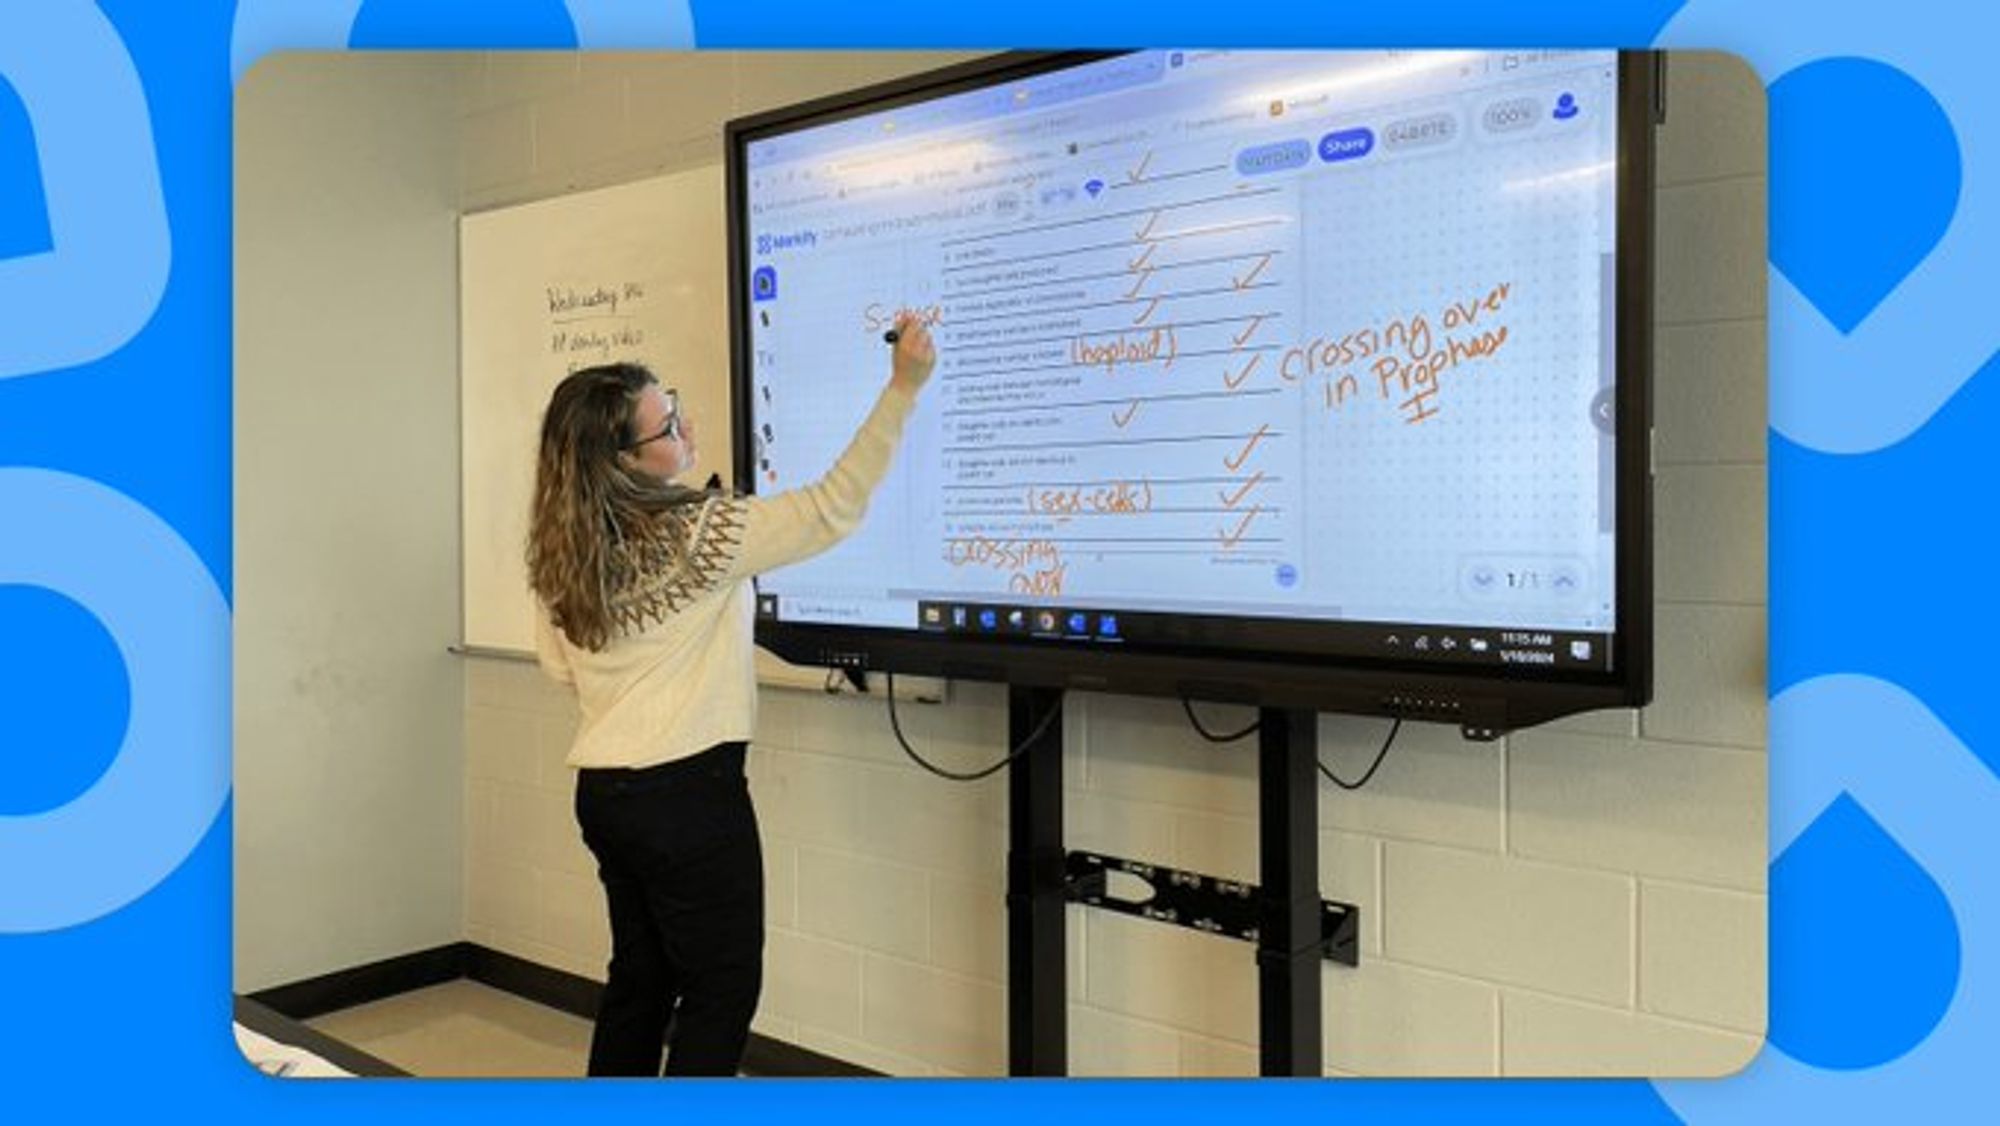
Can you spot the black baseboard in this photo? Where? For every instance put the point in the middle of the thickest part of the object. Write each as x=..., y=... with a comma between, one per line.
x=531, y=981
x=775, y=1059
x=344, y=989
x=269, y=1022
x=544, y=985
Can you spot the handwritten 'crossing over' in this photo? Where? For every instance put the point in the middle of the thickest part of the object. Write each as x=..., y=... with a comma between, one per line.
x=1032, y=566
x=1403, y=357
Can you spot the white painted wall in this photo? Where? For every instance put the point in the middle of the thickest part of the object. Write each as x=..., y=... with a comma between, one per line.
x=349, y=737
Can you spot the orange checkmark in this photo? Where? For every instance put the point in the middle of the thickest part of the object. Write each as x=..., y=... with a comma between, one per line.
x=1141, y=318
x=1129, y=412
x=1141, y=284
x=1139, y=173
x=1229, y=501
x=1148, y=228
x=1244, y=281
x=1254, y=322
x=1229, y=539
x=1141, y=260
x=1233, y=382
x=1243, y=455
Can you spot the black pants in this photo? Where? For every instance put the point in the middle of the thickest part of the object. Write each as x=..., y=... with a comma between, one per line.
x=683, y=875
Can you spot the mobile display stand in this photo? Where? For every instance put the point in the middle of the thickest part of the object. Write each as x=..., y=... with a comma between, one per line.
x=1292, y=929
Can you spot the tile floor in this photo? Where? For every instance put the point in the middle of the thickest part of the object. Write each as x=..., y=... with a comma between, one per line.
x=463, y=1029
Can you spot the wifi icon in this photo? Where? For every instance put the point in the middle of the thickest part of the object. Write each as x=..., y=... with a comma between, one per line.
x=1093, y=187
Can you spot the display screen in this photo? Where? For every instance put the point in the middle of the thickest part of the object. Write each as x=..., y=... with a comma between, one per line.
x=1280, y=354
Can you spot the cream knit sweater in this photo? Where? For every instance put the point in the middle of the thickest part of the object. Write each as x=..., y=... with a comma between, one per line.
x=688, y=680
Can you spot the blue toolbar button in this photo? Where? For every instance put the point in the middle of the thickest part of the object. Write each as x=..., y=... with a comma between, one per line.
x=1348, y=144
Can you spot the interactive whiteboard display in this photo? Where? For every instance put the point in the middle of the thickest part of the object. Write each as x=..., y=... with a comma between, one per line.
x=1310, y=350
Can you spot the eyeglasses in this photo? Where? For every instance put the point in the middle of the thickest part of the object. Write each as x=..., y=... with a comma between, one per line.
x=672, y=427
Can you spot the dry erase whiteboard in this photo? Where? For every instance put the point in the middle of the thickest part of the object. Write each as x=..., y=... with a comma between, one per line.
x=634, y=272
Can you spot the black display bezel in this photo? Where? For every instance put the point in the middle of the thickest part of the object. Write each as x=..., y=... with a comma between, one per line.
x=1483, y=699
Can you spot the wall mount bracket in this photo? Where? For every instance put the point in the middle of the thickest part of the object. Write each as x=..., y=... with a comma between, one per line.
x=1208, y=904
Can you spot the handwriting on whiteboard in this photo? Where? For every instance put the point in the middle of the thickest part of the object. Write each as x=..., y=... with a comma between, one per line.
x=594, y=323
x=1402, y=358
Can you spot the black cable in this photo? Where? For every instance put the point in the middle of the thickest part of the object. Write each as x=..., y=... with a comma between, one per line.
x=1188, y=707
x=896, y=725
x=1376, y=765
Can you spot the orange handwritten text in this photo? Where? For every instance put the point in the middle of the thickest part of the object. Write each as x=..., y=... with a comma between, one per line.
x=1406, y=354
x=1032, y=566
x=877, y=317
x=1001, y=555
x=1338, y=391
x=1421, y=373
x=1048, y=580
x=1120, y=498
x=1125, y=349
x=1327, y=353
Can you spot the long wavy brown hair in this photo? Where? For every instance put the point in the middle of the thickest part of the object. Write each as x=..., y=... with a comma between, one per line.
x=594, y=514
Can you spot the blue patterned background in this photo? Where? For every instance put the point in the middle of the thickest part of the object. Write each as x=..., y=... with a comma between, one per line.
x=115, y=552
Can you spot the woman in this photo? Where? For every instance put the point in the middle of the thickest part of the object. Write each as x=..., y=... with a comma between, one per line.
x=647, y=612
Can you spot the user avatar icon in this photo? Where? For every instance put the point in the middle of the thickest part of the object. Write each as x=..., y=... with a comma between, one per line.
x=1565, y=106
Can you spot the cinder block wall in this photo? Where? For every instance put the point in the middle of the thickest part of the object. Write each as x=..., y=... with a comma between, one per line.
x=1582, y=898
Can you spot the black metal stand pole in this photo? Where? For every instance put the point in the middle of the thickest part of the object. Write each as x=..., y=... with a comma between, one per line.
x=1289, y=929
x=1037, y=1016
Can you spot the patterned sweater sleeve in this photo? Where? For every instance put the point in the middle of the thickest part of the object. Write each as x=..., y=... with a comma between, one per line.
x=548, y=648
x=800, y=523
